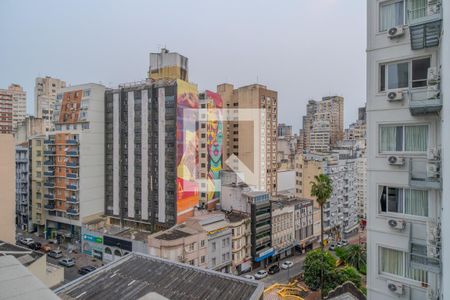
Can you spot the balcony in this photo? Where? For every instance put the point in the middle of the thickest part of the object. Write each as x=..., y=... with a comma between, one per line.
x=72, y=211
x=72, y=199
x=71, y=142
x=49, y=142
x=425, y=24
x=49, y=207
x=49, y=163
x=49, y=184
x=72, y=164
x=49, y=152
x=424, y=101
x=262, y=228
x=49, y=196
x=49, y=173
x=425, y=173
x=72, y=175
x=72, y=187
x=262, y=217
x=72, y=153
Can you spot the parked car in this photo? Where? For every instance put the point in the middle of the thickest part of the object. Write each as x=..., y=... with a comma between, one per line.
x=67, y=262
x=55, y=254
x=261, y=274
x=249, y=277
x=274, y=269
x=86, y=269
x=339, y=244
x=27, y=241
x=287, y=265
x=35, y=246
x=344, y=243
x=46, y=248
x=332, y=247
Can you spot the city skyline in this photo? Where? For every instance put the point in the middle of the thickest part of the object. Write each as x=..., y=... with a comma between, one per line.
x=211, y=63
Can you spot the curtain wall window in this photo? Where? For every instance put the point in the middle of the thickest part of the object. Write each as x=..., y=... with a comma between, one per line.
x=416, y=202
x=416, y=138
x=391, y=15
x=391, y=261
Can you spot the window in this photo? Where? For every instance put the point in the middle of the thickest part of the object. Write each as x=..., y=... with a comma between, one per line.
x=202, y=243
x=397, y=75
x=213, y=261
x=202, y=259
x=403, y=138
x=403, y=201
x=214, y=246
x=396, y=262
x=391, y=14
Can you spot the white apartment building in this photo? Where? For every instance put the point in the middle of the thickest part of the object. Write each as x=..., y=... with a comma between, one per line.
x=320, y=136
x=45, y=91
x=19, y=109
x=407, y=56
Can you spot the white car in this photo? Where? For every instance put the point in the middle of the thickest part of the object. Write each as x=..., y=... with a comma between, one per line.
x=344, y=243
x=27, y=241
x=249, y=277
x=260, y=274
x=287, y=265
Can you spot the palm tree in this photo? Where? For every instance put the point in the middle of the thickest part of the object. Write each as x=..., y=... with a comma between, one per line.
x=354, y=255
x=321, y=188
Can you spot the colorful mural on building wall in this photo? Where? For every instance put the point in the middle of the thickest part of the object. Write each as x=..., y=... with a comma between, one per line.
x=70, y=107
x=187, y=151
x=214, y=144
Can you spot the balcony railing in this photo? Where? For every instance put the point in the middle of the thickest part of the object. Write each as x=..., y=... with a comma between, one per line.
x=49, y=163
x=423, y=262
x=49, y=152
x=49, y=142
x=425, y=14
x=425, y=26
x=49, y=184
x=425, y=173
x=49, y=207
x=49, y=196
x=72, y=199
x=72, y=187
x=424, y=101
x=72, y=211
x=49, y=173
x=71, y=142
x=72, y=175
x=72, y=164
x=72, y=153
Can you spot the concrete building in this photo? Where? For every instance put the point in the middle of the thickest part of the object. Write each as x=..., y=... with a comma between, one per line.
x=19, y=101
x=240, y=225
x=7, y=188
x=23, y=209
x=284, y=130
x=45, y=92
x=168, y=65
x=184, y=243
x=219, y=239
x=408, y=212
x=242, y=136
x=320, y=137
x=210, y=148
x=37, y=195
x=6, y=106
x=286, y=149
x=74, y=184
x=331, y=110
x=144, y=277
x=28, y=128
x=152, y=152
x=283, y=233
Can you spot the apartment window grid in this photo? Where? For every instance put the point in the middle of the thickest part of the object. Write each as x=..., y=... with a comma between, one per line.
x=397, y=263
x=403, y=138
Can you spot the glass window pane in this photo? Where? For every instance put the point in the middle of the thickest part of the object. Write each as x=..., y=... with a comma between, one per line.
x=395, y=200
x=391, y=15
x=391, y=261
x=382, y=78
x=388, y=138
x=417, y=9
x=398, y=75
x=382, y=191
x=416, y=202
x=420, y=72
x=416, y=138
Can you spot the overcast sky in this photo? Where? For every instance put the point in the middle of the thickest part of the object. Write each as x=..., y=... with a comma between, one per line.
x=302, y=49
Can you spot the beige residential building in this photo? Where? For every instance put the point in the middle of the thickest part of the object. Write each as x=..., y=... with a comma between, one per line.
x=240, y=223
x=28, y=128
x=36, y=146
x=19, y=100
x=186, y=243
x=320, y=137
x=305, y=171
x=5, y=112
x=240, y=136
x=45, y=91
x=283, y=233
x=7, y=188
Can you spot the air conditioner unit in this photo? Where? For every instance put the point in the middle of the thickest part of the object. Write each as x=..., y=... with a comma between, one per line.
x=396, y=160
x=396, y=32
x=396, y=287
x=433, y=170
x=395, y=96
x=397, y=224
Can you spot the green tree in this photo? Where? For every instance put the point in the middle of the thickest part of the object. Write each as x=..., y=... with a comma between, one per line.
x=321, y=188
x=354, y=255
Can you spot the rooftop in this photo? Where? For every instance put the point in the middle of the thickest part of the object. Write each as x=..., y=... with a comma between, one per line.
x=24, y=255
x=138, y=275
x=170, y=235
x=236, y=216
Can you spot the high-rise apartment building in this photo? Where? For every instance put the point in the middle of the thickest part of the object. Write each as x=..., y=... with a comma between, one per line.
x=254, y=143
x=74, y=157
x=284, y=130
x=37, y=175
x=45, y=92
x=408, y=208
x=28, y=128
x=152, y=152
x=22, y=187
x=319, y=115
x=168, y=65
x=6, y=105
x=211, y=147
x=19, y=101
x=7, y=188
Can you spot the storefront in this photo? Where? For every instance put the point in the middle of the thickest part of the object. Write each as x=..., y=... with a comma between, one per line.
x=264, y=258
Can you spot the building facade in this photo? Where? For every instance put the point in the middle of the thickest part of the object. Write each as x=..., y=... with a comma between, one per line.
x=45, y=92
x=23, y=208
x=242, y=135
x=8, y=187
x=28, y=128
x=408, y=227
x=36, y=149
x=74, y=185
x=6, y=106
x=19, y=104
x=239, y=223
x=283, y=229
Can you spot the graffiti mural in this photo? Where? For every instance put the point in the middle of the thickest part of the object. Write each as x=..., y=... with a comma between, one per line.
x=214, y=145
x=187, y=151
